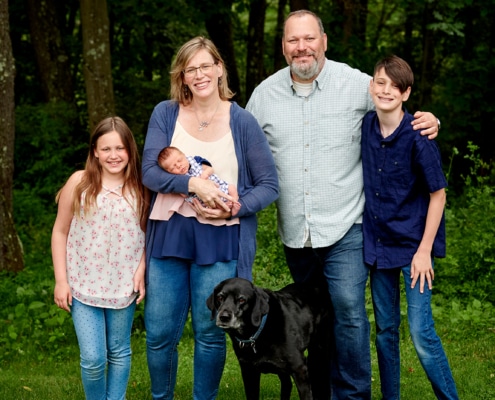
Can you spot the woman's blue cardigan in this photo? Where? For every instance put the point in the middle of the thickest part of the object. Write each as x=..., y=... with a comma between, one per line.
x=257, y=181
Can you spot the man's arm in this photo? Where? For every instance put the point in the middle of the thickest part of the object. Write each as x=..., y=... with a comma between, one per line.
x=427, y=123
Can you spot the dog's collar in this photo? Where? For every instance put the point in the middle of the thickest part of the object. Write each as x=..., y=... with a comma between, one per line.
x=252, y=340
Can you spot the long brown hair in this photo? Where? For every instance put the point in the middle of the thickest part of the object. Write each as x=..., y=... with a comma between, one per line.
x=91, y=183
x=178, y=90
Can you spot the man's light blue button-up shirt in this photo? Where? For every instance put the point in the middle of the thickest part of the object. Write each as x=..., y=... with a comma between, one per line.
x=316, y=143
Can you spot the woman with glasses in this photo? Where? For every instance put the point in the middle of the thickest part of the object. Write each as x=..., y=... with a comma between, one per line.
x=186, y=259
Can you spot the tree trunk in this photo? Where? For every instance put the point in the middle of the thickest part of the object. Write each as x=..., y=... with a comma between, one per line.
x=256, y=45
x=409, y=35
x=96, y=60
x=299, y=5
x=426, y=69
x=278, y=57
x=10, y=250
x=51, y=56
x=354, y=25
x=219, y=26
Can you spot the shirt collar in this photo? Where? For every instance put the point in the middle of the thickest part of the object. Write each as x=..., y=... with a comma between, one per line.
x=406, y=119
x=319, y=81
x=323, y=76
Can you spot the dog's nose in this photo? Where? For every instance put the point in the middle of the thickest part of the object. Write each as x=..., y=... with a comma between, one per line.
x=224, y=317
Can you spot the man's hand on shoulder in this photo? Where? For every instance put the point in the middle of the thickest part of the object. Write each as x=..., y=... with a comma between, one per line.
x=426, y=123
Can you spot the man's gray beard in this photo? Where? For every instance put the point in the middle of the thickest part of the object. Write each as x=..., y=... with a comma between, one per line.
x=304, y=71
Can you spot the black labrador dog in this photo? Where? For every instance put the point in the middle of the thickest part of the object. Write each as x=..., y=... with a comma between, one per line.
x=271, y=330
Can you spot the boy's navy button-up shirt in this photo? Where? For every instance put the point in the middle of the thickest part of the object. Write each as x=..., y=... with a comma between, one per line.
x=400, y=171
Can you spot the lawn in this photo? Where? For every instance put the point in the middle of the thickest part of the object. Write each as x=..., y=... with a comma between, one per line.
x=470, y=348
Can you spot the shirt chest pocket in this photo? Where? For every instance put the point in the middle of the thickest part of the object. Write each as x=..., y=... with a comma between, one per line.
x=336, y=128
x=398, y=172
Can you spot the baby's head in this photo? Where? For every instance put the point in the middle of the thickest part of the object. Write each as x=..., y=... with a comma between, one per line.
x=174, y=161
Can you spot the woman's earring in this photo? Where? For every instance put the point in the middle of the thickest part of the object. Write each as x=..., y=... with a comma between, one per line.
x=219, y=81
x=186, y=91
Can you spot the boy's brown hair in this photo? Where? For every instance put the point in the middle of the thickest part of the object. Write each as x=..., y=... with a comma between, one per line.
x=398, y=70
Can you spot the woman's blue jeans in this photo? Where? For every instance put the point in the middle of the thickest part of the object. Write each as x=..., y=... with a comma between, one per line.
x=385, y=291
x=346, y=274
x=104, y=337
x=174, y=286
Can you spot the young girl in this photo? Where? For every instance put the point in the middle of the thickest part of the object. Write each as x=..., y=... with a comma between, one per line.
x=98, y=256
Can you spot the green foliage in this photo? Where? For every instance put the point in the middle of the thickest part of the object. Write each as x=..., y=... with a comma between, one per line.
x=449, y=44
x=34, y=218
x=144, y=40
x=478, y=314
x=49, y=146
x=469, y=268
x=461, y=88
x=270, y=269
x=31, y=324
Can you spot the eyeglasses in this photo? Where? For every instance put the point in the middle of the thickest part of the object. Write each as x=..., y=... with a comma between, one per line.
x=205, y=68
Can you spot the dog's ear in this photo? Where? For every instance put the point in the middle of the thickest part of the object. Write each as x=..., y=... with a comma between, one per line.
x=210, y=303
x=261, y=306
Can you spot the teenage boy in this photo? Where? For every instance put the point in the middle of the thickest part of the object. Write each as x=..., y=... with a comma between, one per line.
x=403, y=226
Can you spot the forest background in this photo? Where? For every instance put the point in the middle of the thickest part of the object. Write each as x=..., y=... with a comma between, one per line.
x=64, y=65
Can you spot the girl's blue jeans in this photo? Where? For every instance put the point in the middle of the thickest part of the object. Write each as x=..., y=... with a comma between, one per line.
x=104, y=337
x=174, y=286
x=385, y=291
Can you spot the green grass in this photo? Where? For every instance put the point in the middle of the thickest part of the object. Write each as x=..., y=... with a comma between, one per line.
x=471, y=352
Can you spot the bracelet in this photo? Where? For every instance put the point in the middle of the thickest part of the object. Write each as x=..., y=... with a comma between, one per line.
x=439, y=125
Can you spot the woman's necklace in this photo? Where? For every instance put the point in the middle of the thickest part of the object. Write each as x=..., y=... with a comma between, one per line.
x=204, y=124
